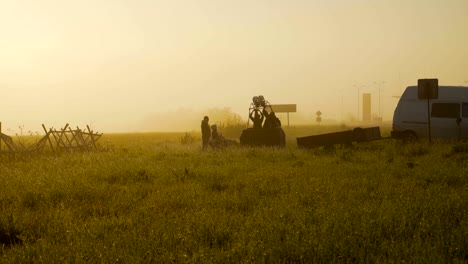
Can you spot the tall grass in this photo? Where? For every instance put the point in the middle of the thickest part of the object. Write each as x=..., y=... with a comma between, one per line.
x=150, y=198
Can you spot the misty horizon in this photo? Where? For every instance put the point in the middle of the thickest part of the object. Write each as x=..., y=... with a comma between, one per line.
x=116, y=65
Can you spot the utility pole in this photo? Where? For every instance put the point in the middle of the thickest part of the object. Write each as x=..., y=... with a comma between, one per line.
x=358, y=87
x=342, y=107
x=341, y=94
x=358, y=92
x=379, y=85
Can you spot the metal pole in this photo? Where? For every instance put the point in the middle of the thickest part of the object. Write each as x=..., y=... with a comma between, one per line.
x=358, y=87
x=380, y=105
x=341, y=106
x=358, y=92
x=429, y=120
x=288, y=119
x=379, y=85
x=383, y=102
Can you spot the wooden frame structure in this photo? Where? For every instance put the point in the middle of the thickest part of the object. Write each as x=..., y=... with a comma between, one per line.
x=343, y=137
x=64, y=139
x=8, y=142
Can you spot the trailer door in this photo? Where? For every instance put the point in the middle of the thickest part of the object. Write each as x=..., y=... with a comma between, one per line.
x=444, y=120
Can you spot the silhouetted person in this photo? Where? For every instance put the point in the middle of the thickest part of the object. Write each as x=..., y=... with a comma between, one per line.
x=257, y=118
x=268, y=123
x=206, y=132
x=214, y=132
x=218, y=141
x=274, y=121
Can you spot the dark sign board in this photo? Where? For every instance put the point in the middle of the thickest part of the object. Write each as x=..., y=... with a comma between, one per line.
x=428, y=89
x=283, y=108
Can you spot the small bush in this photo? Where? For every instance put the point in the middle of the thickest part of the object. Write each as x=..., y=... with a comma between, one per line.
x=188, y=139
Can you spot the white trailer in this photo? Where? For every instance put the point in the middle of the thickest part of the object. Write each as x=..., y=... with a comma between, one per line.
x=448, y=114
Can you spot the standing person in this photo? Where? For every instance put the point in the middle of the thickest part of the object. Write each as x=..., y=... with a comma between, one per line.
x=206, y=132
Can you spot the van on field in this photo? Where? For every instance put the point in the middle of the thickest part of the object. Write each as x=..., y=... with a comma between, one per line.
x=448, y=114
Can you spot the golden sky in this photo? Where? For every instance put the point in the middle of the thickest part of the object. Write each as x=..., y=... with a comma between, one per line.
x=114, y=63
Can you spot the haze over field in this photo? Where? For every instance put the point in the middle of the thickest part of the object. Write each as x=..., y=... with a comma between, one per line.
x=115, y=64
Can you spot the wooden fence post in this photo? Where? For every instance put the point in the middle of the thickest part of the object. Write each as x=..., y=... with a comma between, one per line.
x=47, y=135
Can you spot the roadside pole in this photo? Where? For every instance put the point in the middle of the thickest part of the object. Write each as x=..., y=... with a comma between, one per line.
x=428, y=89
x=429, y=119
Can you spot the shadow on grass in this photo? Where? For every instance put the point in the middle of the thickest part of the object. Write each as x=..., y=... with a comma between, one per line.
x=10, y=234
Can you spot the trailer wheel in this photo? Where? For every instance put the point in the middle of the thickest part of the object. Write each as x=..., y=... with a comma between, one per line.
x=359, y=134
x=409, y=136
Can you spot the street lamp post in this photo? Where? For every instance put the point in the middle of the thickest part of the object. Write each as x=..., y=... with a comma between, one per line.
x=357, y=101
x=342, y=107
x=379, y=85
x=340, y=93
x=358, y=92
x=358, y=87
x=380, y=116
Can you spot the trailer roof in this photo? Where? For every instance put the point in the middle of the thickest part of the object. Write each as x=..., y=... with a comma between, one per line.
x=450, y=93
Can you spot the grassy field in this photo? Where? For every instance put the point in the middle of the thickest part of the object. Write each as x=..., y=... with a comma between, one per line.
x=158, y=198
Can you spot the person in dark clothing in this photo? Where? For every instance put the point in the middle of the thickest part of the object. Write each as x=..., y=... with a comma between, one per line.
x=214, y=132
x=275, y=122
x=218, y=141
x=267, y=123
x=206, y=132
x=257, y=118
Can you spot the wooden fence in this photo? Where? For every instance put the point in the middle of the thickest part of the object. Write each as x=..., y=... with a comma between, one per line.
x=64, y=139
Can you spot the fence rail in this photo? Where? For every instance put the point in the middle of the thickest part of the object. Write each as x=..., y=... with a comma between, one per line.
x=64, y=139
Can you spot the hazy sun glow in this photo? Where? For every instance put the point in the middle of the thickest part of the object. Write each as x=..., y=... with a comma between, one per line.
x=114, y=63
